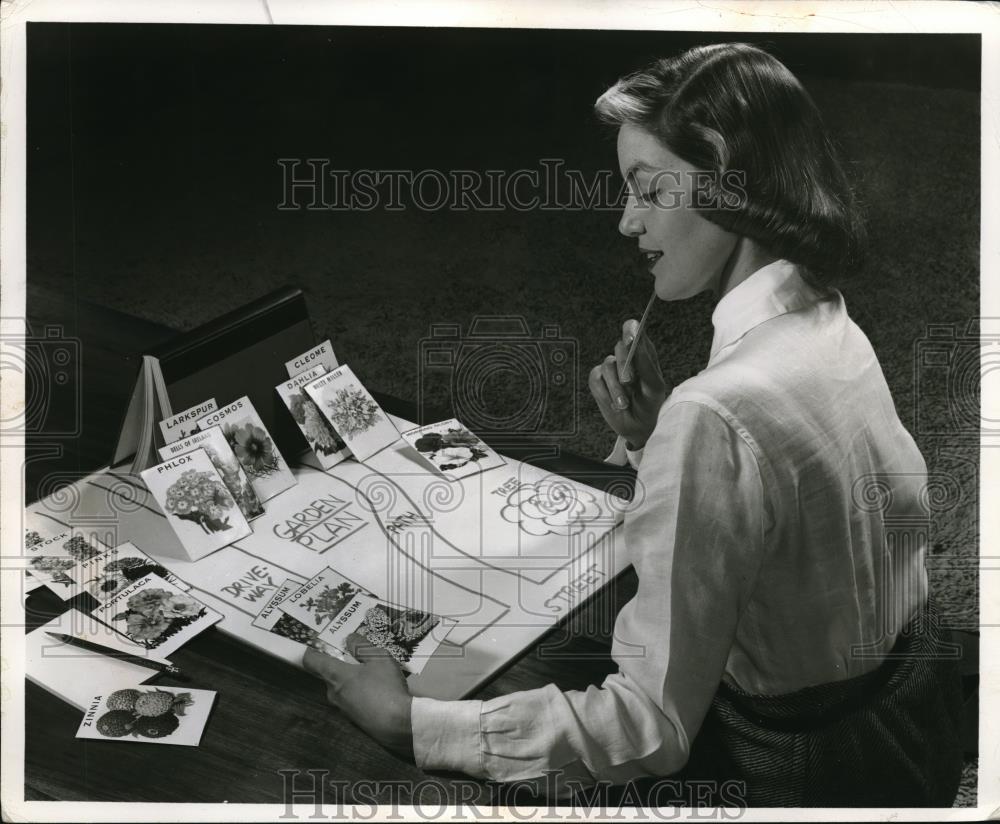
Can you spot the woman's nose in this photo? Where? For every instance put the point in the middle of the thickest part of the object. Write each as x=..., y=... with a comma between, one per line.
x=630, y=224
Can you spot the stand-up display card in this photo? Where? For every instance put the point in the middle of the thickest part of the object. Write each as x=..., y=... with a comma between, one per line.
x=322, y=438
x=320, y=355
x=224, y=460
x=196, y=503
x=184, y=424
x=254, y=448
x=352, y=412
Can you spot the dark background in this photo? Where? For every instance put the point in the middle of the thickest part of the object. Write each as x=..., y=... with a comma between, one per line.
x=153, y=186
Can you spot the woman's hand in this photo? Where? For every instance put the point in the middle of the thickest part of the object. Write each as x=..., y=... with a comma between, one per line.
x=630, y=403
x=372, y=693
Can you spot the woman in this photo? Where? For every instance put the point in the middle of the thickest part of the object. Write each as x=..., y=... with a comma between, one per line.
x=769, y=598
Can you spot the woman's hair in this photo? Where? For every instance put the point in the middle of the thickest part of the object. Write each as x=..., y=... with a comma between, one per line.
x=736, y=112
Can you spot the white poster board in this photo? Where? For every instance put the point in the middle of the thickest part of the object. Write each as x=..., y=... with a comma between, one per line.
x=506, y=553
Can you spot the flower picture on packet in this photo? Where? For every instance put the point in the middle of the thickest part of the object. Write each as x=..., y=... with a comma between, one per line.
x=408, y=635
x=54, y=560
x=156, y=615
x=157, y=715
x=107, y=574
x=452, y=449
x=253, y=446
x=328, y=447
x=401, y=633
x=352, y=412
x=280, y=623
x=224, y=460
x=197, y=504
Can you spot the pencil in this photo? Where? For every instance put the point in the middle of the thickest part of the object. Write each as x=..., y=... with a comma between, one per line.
x=138, y=660
x=635, y=340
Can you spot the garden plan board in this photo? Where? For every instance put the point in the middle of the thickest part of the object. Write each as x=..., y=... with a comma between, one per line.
x=506, y=553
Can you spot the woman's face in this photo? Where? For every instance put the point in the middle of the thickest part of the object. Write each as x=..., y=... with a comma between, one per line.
x=685, y=253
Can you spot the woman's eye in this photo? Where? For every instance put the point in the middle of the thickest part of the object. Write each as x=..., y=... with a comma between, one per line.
x=646, y=197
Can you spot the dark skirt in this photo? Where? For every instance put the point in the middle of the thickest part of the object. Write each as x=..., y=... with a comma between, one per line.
x=890, y=737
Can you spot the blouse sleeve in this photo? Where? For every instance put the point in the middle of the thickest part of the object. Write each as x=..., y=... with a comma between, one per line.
x=695, y=536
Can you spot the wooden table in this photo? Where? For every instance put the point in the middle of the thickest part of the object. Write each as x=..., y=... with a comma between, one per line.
x=270, y=717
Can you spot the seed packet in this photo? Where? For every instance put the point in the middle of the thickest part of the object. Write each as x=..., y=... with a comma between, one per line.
x=269, y=615
x=224, y=460
x=281, y=623
x=322, y=599
x=254, y=448
x=321, y=355
x=322, y=438
x=352, y=412
x=452, y=450
x=154, y=715
x=408, y=635
x=107, y=574
x=156, y=615
x=196, y=503
x=184, y=424
x=335, y=606
x=52, y=561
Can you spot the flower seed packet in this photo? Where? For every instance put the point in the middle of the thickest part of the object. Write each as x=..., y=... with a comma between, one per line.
x=321, y=355
x=254, y=448
x=34, y=533
x=353, y=412
x=196, y=503
x=269, y=615
x=156, y=615
x=322, y=438
x=184, y=424
x=155, y=715
x=410, y=636
x=280, y=623
x=224, y=460
x=52, y=561
x=452, y=450
x=107, y=574
x=322, y=599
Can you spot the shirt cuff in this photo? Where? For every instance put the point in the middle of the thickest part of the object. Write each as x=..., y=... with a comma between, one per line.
x=446, y=735
x=622, y=455
x=634, y=458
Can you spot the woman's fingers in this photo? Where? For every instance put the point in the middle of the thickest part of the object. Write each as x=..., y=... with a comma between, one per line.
x=646, y=364
x=621, y=356
x=609, y=371
x=325, y=666
x=599, y=389
x=363, y=649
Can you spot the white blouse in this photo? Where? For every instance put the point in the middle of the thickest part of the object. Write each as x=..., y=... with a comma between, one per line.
x=763, y=538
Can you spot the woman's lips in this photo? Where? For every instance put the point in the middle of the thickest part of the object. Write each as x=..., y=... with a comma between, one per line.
x=650, y=257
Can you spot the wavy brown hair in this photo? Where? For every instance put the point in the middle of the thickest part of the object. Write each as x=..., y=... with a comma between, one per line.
x=733, y=107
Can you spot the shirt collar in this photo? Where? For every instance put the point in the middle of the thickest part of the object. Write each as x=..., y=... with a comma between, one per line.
x=770, y=291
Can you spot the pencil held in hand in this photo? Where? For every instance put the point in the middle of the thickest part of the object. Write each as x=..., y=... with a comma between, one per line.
x=623, y=368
